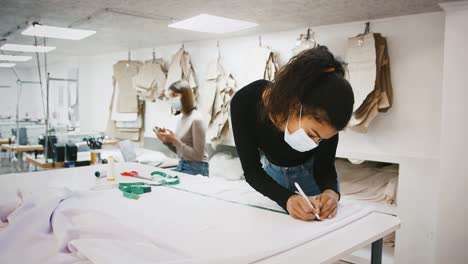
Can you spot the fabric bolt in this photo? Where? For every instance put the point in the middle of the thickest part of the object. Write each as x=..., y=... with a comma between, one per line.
x=181, y=68
x=150, y=81
x=219, y=86
x=369, y=75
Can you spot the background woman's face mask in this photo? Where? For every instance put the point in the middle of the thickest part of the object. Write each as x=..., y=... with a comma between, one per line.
x=175, y=103
x=299, y=140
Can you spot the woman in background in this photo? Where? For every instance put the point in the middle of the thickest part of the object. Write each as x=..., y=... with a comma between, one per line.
x=188, y=140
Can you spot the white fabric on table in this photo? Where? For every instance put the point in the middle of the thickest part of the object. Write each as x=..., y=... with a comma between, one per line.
x=178, y=225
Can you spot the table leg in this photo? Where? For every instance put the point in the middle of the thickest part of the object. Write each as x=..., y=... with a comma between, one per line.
x=376, y=255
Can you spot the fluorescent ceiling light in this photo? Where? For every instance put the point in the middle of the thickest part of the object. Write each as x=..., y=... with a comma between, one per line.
x=57, y=32
x=26, y=48
x=14, y=58
x=6, y=65
x=212, y=24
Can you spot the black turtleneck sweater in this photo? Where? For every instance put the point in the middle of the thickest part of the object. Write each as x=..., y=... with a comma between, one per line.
x=253, y=134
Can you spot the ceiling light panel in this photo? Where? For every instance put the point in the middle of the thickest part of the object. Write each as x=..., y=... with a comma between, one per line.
x=14, y=58
x=6, y=65
x=57, y=32
x=26, y=48
x=213, y=24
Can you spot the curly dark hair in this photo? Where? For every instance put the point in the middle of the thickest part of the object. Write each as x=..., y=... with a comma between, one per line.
x=315, y=79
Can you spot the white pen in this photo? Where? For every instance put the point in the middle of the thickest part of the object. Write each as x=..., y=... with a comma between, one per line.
x=301, y=192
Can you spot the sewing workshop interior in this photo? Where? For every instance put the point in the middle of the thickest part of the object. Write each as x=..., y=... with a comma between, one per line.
x=262, y=131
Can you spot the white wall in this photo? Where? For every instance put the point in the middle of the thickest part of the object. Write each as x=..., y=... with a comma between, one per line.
x=409, y=133
x=452, y=232
x=409, y=129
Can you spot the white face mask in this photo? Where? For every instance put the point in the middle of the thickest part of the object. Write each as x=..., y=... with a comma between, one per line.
x=299, y=140
x=175, y=104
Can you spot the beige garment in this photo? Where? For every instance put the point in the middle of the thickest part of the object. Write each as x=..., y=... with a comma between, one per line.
x=124, y=71
x=135, y=134
x=150, y=81
x=181, y=69
x=380, y=99
x=361, y=59
x=130, y=124
x=221, y=85
x=261, y=64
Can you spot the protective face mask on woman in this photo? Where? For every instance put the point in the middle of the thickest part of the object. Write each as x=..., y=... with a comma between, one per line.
x=175, y=103
x=299, y=140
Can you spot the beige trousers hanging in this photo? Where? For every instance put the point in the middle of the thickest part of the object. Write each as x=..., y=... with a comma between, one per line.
x=372, y=90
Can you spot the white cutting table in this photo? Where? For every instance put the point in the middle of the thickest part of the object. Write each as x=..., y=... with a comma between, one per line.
x=325, y=249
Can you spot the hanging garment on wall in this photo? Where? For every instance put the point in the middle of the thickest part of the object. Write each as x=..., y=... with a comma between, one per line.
x=262, y=64
x=305, y=42
x=220, y=86
x=181, y=69
x=150, y=81
x=124, y=71
x=126, y=131
x=125, y=110
x=369, y=75
x=130, y=124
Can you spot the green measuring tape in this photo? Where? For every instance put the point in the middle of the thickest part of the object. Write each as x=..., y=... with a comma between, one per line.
x=133, y=190
x=169, y=179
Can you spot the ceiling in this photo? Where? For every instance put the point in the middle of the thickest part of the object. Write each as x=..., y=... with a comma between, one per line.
x=132, y=24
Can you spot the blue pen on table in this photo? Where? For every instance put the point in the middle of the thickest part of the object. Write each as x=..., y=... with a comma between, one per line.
x=301, y=192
